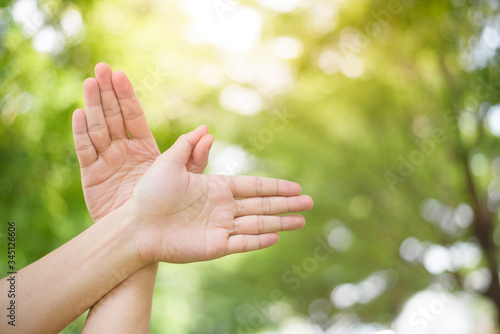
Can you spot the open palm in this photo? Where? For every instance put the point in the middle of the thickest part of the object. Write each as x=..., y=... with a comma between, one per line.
x=190, y=217
x=115, y=148
x=112, y=161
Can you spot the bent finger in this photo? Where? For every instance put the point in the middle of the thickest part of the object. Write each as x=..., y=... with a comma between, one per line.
x=199, y=157
x=181, y=150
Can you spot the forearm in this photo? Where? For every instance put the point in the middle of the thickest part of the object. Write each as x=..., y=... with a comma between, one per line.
x=56, y=289
x=127, y=308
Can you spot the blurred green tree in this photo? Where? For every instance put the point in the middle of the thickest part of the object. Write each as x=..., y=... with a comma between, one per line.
x=386, y=112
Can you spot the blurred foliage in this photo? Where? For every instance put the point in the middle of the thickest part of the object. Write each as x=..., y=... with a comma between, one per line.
x=375, y=107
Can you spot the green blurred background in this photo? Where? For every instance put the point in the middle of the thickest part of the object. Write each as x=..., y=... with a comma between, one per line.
x=385, y=111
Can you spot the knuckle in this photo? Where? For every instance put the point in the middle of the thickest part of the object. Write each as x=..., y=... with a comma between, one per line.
x=111, y=110
x=266, y=205
x=97, y=128
x=260, y=224
x=132, y=116
x=245, y=244
x=83, y=148
x=239, y=207
x=258, y=186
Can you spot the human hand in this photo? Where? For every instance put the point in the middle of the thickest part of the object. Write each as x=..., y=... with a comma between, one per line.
x=187, y=217
x=112, y=161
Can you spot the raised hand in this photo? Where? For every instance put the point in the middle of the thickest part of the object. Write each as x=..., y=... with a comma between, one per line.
x=112, y=161
x=186, y=217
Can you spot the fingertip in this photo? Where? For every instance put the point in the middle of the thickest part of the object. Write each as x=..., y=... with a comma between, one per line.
x=300, y=221
x=101, y=67
x=293, y=222
x=297, y=188
x=275, y=238
x=118, y=75
x=303, y=222
x=90, y=89
x=121, y=83
x=89, y=82
x=202, y=128
x=309, y=202
x=103, y=76
x=197, y=134
x=268, y=239
x=77, y=114
x=302, y=225
x=75, y=119
x=210, y=141
x=289, y=188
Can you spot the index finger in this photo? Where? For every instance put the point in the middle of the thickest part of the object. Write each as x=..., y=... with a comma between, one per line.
x=253, y=186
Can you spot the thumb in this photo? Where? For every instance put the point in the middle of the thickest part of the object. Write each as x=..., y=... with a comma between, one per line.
x=181, y=150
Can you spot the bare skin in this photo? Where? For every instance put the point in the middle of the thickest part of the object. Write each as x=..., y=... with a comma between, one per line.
x=112, y=161
x=174, y=215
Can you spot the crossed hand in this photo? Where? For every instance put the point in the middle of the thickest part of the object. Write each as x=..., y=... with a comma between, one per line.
x=184, y=216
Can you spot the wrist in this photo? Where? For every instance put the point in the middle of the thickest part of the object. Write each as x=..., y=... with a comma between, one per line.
x=146, y=237
x=128, y=229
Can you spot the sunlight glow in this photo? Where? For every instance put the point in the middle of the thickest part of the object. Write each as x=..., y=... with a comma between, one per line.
x=346, y=295
x=431, y=311
x=244, y=101
x=26, y=13
x=71, y=22
x=237, y=31
x=285, y=47
x=48, y=40
x=282, y=6
x=340, y=238
x=493, y=120
x=228, y=159
x=450, y=220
